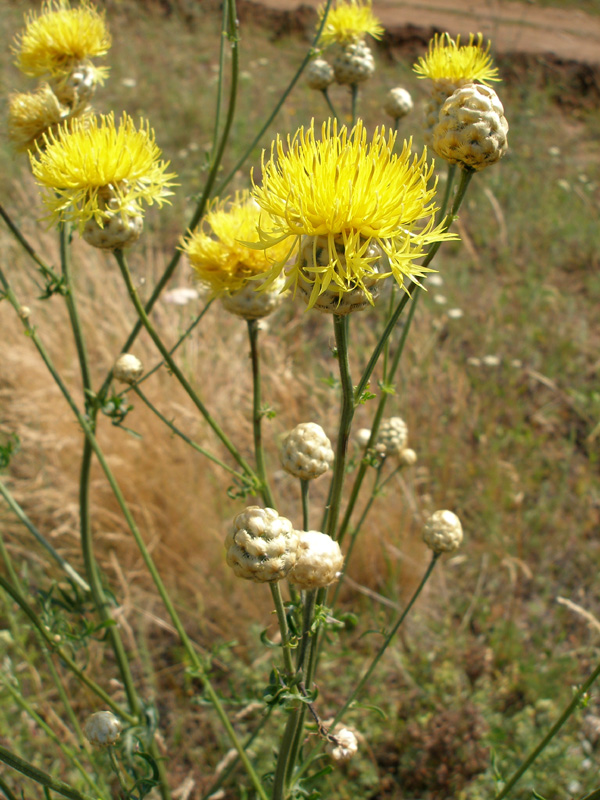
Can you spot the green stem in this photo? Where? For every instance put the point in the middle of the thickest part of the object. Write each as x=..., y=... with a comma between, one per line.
x=340, y=324
x=66, y=750
x=43, y=778
x=176, y=346
x=575, y=702
x=278, y=105
x=54, y=648
x=12, y=574
x=7, y=792
x=367, y=675
x=46, y=270
x=257, y=414
x=117, y=770
x=450, y=175
x=356, y=531
x=325, y=94
x=213, y=696
x=304, y=487
x=20, y=514
x=464, y=183
x=145, y=321
x=187, y=440
x=93, y=576
x=65, y=260
x=283, y=629
x=212, y=175
x=354, y=101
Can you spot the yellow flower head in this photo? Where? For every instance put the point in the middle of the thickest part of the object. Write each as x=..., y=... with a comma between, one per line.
x=349, y=22
x=448, y=59
x=216, y=250
x=32, y=114
x=60, y=37
x=354, y=193
x=79, y=164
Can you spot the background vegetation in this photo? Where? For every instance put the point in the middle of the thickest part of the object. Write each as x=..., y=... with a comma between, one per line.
x=502, y=403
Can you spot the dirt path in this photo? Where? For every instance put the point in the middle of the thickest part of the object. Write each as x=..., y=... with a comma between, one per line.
x=520, y=27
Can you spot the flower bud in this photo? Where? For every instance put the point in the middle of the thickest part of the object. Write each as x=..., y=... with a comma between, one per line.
x=314, y=254
x=128, y=368
x=342, y=746
x=306, y=451
x=102, y=729
x=443, y=532
x=472, y=128
x=252, y=304
x=398, y=103
x=319, y=74
x=119, y=227
x=407, y=457
x=318, y=562
x=393, y=434
x=362, y=437
x=262, y=546
x=353, y=63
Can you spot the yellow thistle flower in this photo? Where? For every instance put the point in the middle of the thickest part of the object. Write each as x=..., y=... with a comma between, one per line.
x=352, y=194
x=216, y=249
x=79, y=166
x=32, y=114
x=349, y=22
x=60, y=37
x=447, y=59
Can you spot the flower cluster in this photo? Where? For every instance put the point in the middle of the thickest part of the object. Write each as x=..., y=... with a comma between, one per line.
x=56, y=45
x=371, y=208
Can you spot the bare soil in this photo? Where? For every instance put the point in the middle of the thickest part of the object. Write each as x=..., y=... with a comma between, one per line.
x=567, y=34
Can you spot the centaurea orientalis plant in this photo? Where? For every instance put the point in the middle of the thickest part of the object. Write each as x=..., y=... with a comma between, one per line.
x=335, y=215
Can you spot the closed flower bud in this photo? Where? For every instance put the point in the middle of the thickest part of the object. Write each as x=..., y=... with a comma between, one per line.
x=443, y=532
x=306, y=451
x=128, y=368
x=353, y=63
x=407, y=457
x=393, y=434
x=262, y=546
x=102, y=729
x=398, y=103
x=120, y=226
x=441, y=90
x=252, y=304
x=362, y=437
x=319, y=74
x=319, y=560
x=342, y=746
x=472, y=128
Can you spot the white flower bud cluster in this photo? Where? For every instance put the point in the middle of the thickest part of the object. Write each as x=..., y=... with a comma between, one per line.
x=353, y=63
x=472, y=128
x=344, y=746
x=251, y=304
x=319, y=74
x=262, y=546
x=306, y=451
x=398, y=103
x=102, y=729
x=319, y=560
x=443, y=532
x=128, y=368
x=393, y=435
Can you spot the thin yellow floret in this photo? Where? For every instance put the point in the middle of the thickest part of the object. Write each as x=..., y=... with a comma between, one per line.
x=354, y=192
x=77, y=164
x=216, y=249
x=349, y=22
x=60, y=37
x=447, y=59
